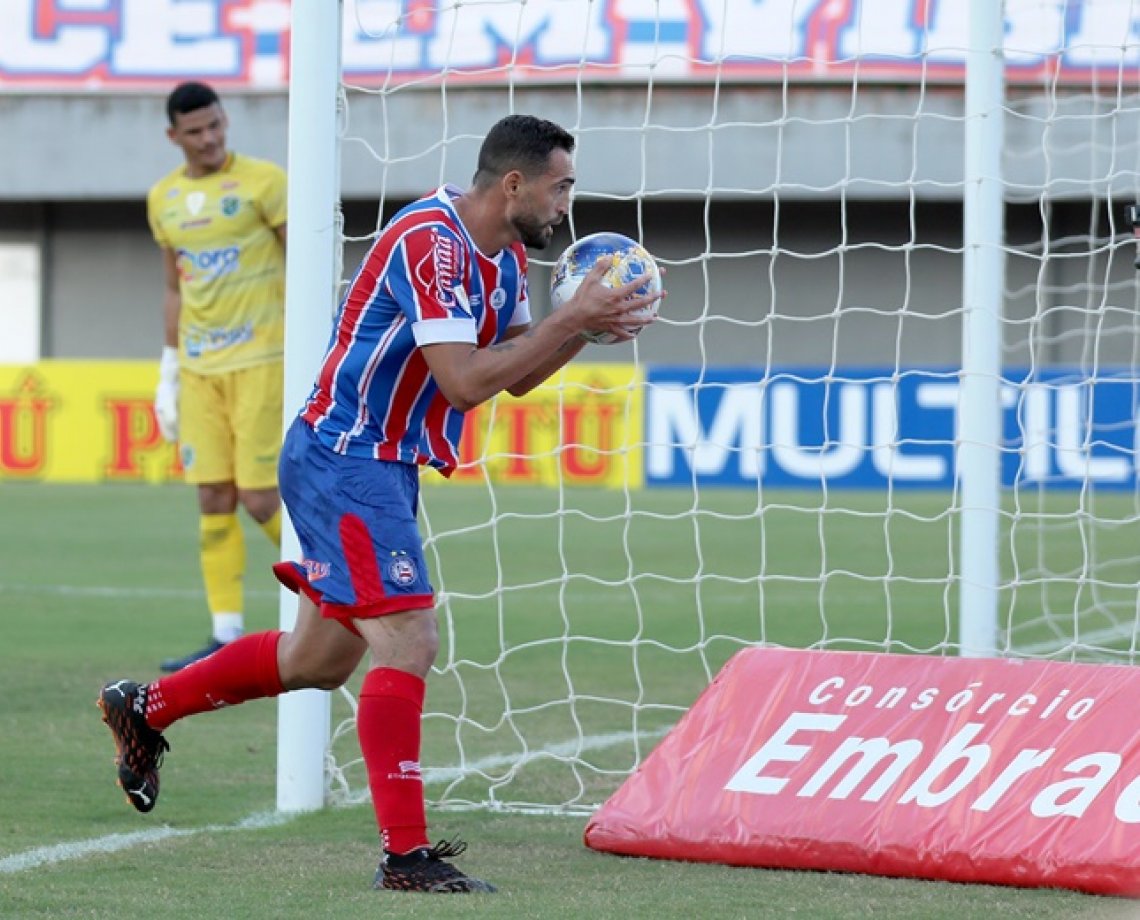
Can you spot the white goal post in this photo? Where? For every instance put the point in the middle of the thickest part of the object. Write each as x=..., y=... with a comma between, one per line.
x=979, y=410
x=312, y=273
x=891, y=404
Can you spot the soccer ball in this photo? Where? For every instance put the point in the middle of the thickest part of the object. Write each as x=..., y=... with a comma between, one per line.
x=630, y=261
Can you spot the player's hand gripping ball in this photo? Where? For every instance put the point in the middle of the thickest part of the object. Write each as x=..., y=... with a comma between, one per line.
x=631, y=260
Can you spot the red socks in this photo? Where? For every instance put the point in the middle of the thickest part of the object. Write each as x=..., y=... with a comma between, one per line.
x=388, y=723
x=245, y=669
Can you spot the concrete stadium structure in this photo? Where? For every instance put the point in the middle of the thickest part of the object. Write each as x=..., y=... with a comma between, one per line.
x=800, y=224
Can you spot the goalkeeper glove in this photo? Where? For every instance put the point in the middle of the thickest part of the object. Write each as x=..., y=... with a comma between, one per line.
x=166, y=396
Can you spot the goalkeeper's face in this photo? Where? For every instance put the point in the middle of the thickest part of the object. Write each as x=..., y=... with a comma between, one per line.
x=544, y=201
x=202, y=136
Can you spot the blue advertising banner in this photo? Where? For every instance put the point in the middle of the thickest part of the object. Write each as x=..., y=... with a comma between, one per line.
x=867, y=427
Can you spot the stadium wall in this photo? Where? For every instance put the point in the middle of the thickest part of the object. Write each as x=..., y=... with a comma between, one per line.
x=101, y=279
x=880, y=166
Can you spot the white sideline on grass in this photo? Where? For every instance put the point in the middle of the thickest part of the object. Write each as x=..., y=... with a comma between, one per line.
x=114, y=591
x=1105, y=635
x=113, y=843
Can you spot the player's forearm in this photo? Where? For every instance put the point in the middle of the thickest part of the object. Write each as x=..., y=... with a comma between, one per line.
x=470, y=376
x=506, y=365
x=171, y=312
x=543, y=372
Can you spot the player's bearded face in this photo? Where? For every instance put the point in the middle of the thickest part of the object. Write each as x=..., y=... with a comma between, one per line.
x=535, y=233
x=539, y=213
x=542, y=201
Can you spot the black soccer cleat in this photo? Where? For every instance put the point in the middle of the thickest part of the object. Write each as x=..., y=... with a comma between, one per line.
x=139, y=747
x=425, y=869
x=170, y=665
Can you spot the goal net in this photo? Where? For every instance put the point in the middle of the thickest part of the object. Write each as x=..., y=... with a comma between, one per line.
x=776, y=461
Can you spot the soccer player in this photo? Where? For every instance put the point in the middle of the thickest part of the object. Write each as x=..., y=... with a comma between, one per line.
x=435, y=322
x=219, y=220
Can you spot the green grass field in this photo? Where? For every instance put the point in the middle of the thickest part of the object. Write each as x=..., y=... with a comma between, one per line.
x=99, y=583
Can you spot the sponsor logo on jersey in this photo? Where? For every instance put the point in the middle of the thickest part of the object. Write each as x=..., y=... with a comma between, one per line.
x=315, y=570
x=203, y=341
x=207, y=264
x=409, y=769
x=444, y=263
x=194, y=202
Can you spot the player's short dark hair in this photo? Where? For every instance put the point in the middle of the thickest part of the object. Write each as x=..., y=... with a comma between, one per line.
x=521, y=142
x=189, y=97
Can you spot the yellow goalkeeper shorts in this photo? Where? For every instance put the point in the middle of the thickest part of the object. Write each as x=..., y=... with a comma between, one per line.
x=229, y=425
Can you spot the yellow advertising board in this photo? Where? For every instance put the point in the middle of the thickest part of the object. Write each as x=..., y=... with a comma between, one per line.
x=82, y=421
x=582, y=427
x=92, y=421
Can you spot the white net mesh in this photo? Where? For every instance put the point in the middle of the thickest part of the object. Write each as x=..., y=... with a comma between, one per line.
x=1073, y=332
x=773, y=462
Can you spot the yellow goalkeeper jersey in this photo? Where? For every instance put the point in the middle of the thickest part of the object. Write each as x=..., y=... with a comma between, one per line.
x=231, y=266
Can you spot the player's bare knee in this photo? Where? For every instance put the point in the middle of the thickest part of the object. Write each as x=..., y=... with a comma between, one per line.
x=426, y=640
x=304, y=664
x=217, y=497
x=260, y=504
x=329, y=676
x=312, y=673
x=407, y=641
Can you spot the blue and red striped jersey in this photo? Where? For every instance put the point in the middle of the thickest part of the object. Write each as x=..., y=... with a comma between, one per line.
x=422, y=282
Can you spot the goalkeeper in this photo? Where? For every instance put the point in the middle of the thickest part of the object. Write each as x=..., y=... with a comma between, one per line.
x=219, y=220
x=435, y=322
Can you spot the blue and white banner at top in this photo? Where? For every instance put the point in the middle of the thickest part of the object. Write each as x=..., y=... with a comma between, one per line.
x=868, y=428
x=133, y=44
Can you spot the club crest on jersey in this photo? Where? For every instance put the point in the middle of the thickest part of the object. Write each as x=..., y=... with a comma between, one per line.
x=498, y=298
x=231, y=204
x=402, y=569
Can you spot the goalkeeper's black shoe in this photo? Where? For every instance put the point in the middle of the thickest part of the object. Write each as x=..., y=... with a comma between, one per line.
x=170, y=665
x=426, y=869
x=140, y=747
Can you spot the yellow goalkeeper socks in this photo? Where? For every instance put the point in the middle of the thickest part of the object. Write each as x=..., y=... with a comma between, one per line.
x=272, y=528
x=223, y=570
